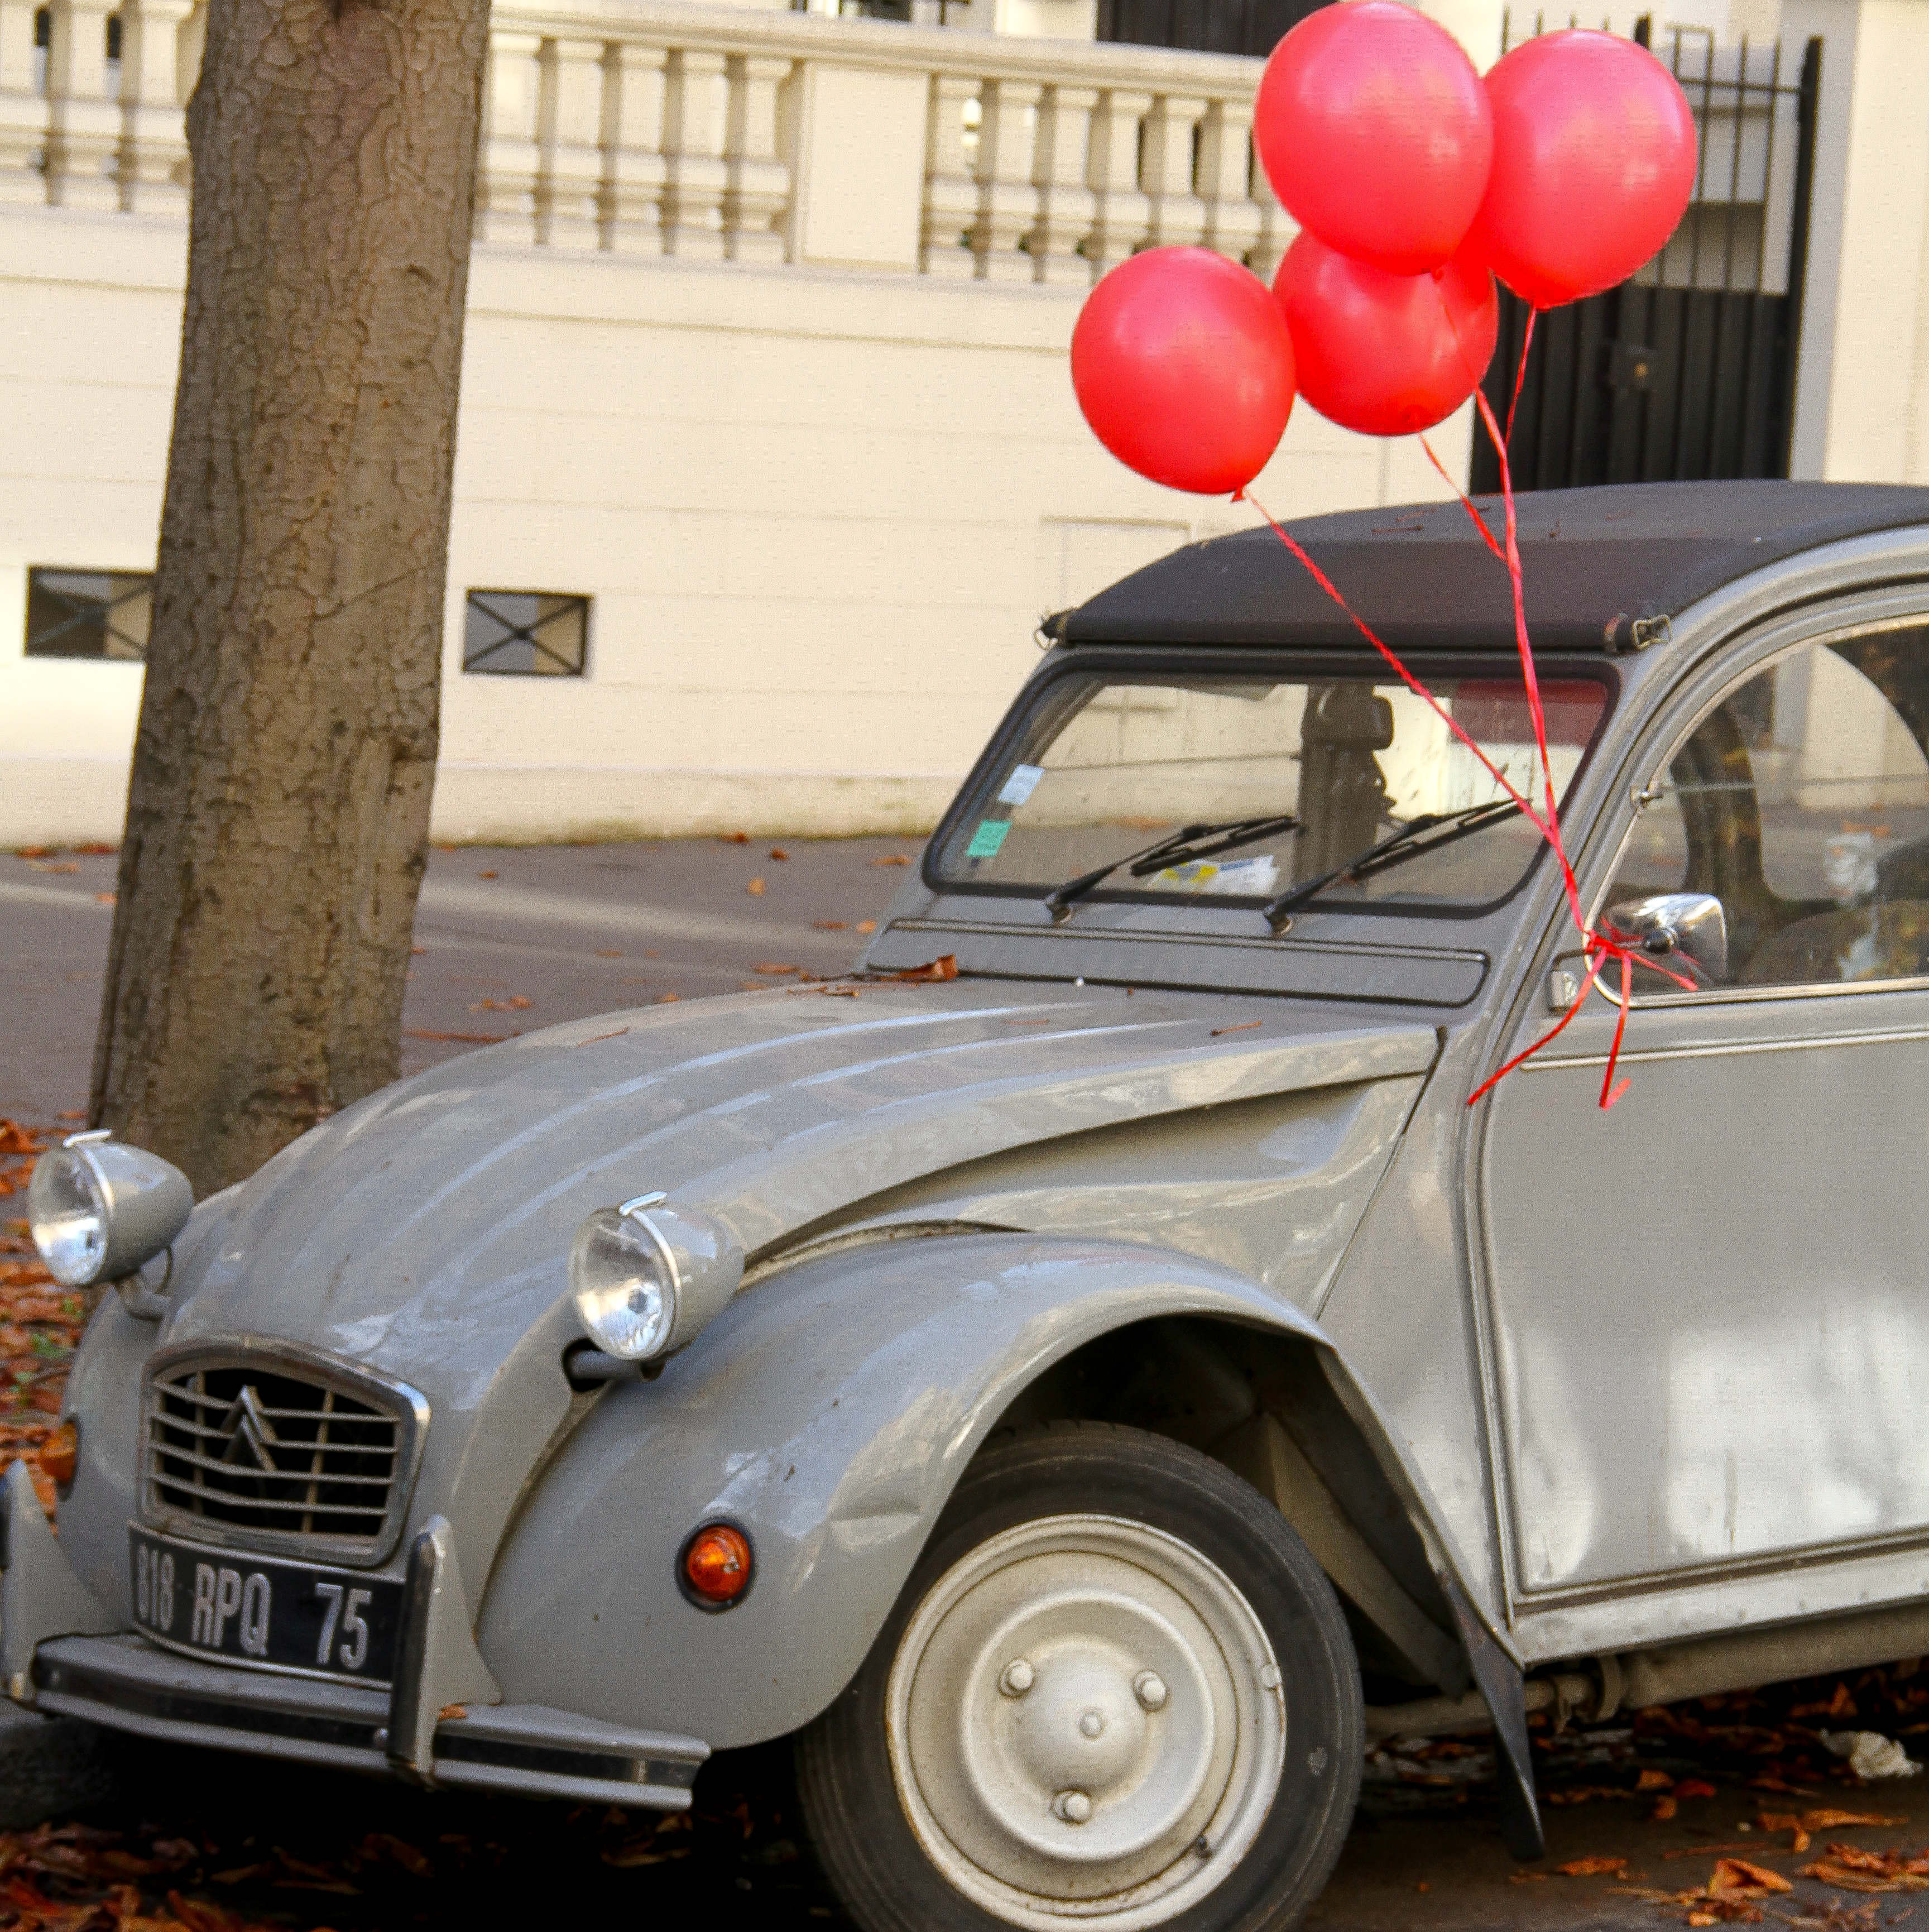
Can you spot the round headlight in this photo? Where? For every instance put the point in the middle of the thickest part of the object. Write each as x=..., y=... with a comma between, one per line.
x=625, y=1284
x=97, y=1209
x=646, y=1276
x=66, y=1215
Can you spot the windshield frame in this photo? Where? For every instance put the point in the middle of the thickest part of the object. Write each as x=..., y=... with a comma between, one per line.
x=1151, y=662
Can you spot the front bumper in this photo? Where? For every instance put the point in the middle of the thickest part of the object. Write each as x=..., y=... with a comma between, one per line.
x=61, y=1650
x=125, y=1682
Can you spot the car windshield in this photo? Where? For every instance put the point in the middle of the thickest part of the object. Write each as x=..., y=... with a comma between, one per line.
x=1105, y=765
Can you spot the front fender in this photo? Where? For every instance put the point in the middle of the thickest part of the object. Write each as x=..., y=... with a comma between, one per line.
x=829, y=1412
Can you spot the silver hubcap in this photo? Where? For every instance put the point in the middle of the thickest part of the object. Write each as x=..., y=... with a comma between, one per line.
x=1085, y=1722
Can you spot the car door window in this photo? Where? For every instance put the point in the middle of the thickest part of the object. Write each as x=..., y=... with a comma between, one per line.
x=1800, y=802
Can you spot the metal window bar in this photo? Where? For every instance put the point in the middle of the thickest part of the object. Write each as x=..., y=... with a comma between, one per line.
x=1688, y=369
x=525, y=633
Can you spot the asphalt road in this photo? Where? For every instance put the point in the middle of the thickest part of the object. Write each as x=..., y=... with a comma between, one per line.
x=511, y=940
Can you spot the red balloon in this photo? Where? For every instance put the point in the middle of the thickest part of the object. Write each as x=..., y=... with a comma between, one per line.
x=1386, y=354
x=1376, y=133
x=1594, y=164
x=1184, y=369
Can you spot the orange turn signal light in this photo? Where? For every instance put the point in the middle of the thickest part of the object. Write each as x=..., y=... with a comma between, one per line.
x=60, y=1453
x=717, y=1563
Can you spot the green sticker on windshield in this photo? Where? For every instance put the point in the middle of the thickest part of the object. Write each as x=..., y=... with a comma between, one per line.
x=989, y=837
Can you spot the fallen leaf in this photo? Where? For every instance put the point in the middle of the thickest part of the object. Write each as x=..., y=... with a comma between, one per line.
x=1662, y=1810
x=1244, y=1026
x=736, y=838
x=1694, y=1787
x=1600, y=1864
x=944, y=967
x=1738, y=1875
x=891, y=859
x=867, y=925
x=831, y=925
x=1785, y=1821
x=105, y=898
x=485, y=875
x=839, y=992
x=1653, y=1780
x=601, y=955
x=776, y=969
x=1834, y=1821
x=450, y=1713
x=470, y=1039
x=666, y=998
x=778, y=853
x=755, y=888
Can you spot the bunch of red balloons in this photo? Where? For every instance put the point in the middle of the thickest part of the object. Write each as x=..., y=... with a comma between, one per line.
x=1415, y=183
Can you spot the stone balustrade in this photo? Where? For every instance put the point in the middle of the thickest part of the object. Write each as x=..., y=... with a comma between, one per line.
x=661, y=127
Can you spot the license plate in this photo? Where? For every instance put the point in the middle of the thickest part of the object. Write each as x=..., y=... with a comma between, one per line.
x=228, y=1604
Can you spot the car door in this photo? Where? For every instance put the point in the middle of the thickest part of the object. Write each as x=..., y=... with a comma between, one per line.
x=1709, y=1307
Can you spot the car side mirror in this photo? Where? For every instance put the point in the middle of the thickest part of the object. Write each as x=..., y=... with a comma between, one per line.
x=1690, y=927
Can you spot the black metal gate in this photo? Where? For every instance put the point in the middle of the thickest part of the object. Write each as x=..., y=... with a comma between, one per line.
x=1687, y=371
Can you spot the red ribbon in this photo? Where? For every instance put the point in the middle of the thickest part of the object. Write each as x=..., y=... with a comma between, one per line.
x=1598, y=944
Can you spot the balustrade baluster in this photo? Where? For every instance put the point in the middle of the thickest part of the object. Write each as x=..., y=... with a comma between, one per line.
x=756, y=200
x=23, y=108
x=633, y=166
x=83, y=124
x=1122, y=211
x=569, y=122
x=695, y=175
x=511, y=156
x=1276, y=227
x=1178, y=215
x=152, y=164
x=1225, y=174
x=950, y=192
x=1007, y=198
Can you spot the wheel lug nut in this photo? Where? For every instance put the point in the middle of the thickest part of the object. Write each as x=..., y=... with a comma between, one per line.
x=1150, y=1688
x=1017, y=1677
x=1074, y=1807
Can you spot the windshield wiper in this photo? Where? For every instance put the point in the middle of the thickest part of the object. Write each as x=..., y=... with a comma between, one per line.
x=1406, y=844
x=1181, y=847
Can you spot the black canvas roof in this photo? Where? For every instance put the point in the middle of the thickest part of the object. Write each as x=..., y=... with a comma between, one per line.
x=1590, y=559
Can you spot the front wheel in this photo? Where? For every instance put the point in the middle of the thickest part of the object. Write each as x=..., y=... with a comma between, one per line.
x=1118, y=1691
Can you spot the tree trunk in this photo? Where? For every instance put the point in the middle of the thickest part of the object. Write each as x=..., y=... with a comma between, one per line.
x=278, y=817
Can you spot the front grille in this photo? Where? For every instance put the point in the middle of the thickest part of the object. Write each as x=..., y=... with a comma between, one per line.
x=273, y=1452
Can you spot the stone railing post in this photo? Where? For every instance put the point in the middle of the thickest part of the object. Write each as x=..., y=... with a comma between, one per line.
x=631, y=204
x=1066, y=206
x=83, y=124
x=1226, y=160
x=950, y=194
x=23, y=108
x=1276, y=227
x=1121, y=212
x=1178, y=215
x=1007, y=199
x=153, y=164
x=695, y=176
x=569, y=124
x=511, y=158
x=756, y=195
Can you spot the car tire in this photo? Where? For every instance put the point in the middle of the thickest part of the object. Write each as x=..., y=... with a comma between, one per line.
x=1117, y=1691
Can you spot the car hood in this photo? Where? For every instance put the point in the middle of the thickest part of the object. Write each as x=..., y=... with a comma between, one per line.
x=424, y=1231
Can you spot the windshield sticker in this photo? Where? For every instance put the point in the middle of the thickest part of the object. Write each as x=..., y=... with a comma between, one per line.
x=989, y=837
x=1022, y=783
x=1204, y=875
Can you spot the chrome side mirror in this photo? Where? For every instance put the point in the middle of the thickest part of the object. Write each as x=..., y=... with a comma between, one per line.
x=1689, y=927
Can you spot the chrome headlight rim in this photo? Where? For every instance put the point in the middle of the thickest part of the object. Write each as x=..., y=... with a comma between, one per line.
x=74, y=1156
x=645, y=1260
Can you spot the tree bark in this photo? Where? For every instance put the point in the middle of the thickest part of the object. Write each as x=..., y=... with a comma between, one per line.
x=278, y=816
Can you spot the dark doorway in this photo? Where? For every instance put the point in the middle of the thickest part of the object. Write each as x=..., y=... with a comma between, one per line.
x=1211, y=26
x=1687, y=372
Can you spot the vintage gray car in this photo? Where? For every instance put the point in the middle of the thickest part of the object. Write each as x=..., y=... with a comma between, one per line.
x=1083, y=1395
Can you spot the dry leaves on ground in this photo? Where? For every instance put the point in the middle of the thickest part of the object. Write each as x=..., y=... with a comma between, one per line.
x=1598, y=1867
x=1855, y=1870
x=40, y=1322
x=1799, y=1825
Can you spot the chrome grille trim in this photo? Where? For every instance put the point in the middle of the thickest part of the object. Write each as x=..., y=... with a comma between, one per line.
x=321, y=1464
